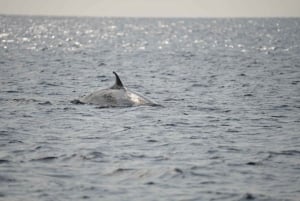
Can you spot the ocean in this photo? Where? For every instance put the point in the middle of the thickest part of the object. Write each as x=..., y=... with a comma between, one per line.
x=229, y=128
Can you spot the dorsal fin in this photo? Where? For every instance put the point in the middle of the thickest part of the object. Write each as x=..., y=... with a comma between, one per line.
x=118, y=84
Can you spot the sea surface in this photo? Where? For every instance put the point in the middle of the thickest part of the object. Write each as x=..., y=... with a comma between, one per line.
x=229, y=128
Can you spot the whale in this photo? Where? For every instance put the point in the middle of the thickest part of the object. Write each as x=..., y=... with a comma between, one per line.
x=115, y=96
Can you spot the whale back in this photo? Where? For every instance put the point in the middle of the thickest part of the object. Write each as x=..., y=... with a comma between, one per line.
x=116, y=96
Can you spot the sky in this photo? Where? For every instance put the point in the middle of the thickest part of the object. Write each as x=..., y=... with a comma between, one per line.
x=154, y=8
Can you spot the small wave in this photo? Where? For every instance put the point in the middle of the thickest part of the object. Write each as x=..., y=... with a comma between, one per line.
x=45, y=103
x=152, y=141
x=59, y=175
x=101, y=64
x=12, y=91
x=170, y=125
x=68, y=108
x=232, y=131
x=45, y=159
x=77, y=102
x=4, y=133
x=68, y=157
x=50, y=84
x=178, y=170
x=287, y=153
x=150, y=183
x=119, y=171
x=4, y=161
x=174, y=99
x=200, y=85
x=251, y=196
x=272, y=154
x=201, y=174
x=252, y=163
x=30, y=100
x=5, y=179
x=93, y=156
x=279, y=116
x=208, y=109
x=295, y=82
x=248, y=196
x=282, y=107
x=172, y=173
x=24, y=100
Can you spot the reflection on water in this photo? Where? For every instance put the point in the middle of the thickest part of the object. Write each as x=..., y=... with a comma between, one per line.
x=229, y=128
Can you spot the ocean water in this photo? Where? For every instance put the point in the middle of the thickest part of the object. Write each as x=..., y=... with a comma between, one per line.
x=229, y=128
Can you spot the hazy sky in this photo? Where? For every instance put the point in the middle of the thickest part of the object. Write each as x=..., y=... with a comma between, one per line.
x=154, y=8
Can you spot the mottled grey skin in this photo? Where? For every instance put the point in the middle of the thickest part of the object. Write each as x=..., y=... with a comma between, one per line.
x=116, y=96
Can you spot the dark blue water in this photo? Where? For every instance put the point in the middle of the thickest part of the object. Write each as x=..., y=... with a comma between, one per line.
x=229, y=128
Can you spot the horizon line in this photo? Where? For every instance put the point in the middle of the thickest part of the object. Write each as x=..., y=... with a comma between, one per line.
x=147, y=17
